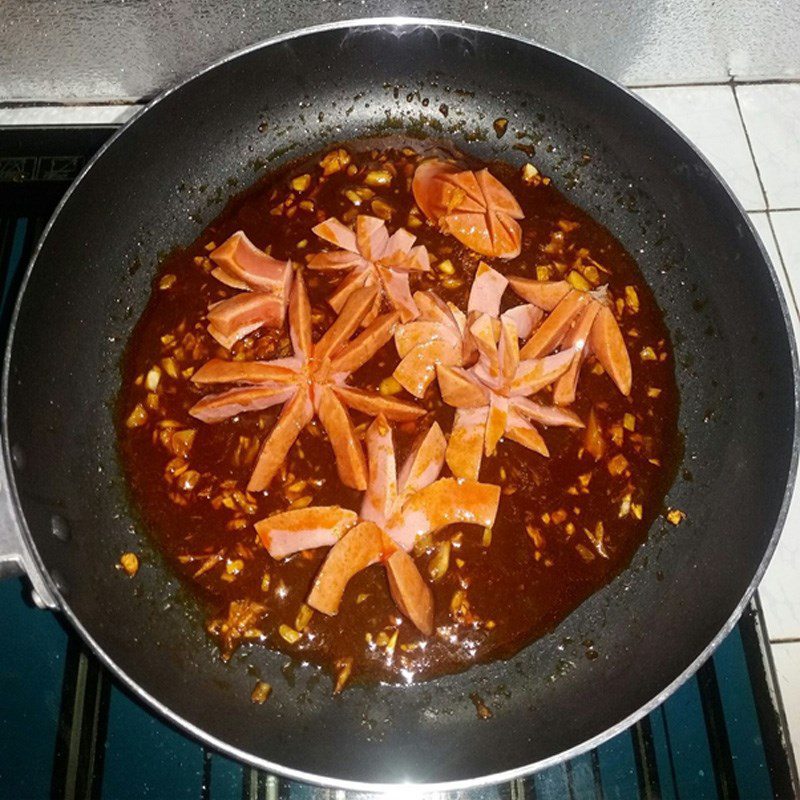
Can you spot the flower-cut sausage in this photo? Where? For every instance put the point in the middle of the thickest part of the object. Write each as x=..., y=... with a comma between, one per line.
x=490, y=386
x=583, y=321
x=265, y=284
x=441, y=335
x=398, y=507
x=472, y=206
x=371, y=257
x=310, y=383
x=435, y=337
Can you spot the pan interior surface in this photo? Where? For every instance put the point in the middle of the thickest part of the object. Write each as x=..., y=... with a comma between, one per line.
x=159, y=183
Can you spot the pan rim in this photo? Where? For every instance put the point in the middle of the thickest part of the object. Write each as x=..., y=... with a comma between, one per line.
x=409, y=23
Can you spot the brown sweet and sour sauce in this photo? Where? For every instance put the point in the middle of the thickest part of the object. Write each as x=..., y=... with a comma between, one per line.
x=565, y=525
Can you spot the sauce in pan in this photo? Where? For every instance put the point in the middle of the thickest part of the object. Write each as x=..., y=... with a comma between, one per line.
x=565, y=524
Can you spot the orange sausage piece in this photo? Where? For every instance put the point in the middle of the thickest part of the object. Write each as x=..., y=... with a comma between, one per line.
x=296, y=414
x=300, y=318
x=219, y=370
x=550, y=333
x=578, y=337
x=360, y=547
x=409, y=591
x=543, y=294
x=350, y=462
x=608, y=345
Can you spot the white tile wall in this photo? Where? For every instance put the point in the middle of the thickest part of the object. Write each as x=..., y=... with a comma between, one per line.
x=757, y=151
x=781, y=584
x=780, y=590
x=779, y=587
x=772, y=116
x=761, y=223
x=709, y=117
x=787, y=229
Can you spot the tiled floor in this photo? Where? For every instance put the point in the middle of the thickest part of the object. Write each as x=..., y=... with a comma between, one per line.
x=751, y=134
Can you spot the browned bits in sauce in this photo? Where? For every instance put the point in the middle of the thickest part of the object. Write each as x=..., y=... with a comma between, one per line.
x=481, y=709
x=566, y=524
x=344, y=666
x=261, y=692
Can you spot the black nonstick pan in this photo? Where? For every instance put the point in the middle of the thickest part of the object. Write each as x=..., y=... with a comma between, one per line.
x=168, y=173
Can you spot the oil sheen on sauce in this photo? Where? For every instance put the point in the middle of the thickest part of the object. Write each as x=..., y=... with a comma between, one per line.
x=543, y=558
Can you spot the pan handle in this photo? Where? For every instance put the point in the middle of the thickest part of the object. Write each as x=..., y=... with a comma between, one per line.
x=16, y=558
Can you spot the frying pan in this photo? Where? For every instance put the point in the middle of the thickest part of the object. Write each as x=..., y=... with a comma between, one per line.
x=168, y=173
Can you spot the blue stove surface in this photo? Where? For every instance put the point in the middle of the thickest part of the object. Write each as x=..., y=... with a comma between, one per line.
x=69, y=730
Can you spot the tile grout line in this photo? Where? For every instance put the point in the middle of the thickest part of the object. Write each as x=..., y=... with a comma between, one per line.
x=729, y=82
x=767, y=209
x=144, y=99
x=123, y=104
x=783, y=266
x=750, y=146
